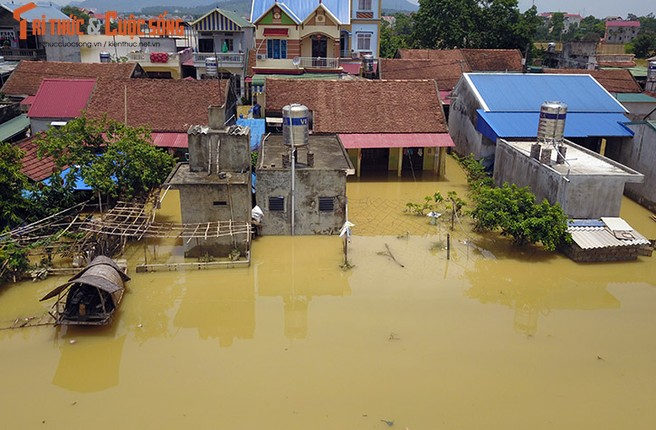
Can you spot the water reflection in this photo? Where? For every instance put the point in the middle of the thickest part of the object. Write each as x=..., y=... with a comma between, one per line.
x=90, y=358
x=297, y=270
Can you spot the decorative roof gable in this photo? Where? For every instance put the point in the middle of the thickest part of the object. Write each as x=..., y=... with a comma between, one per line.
x=278, y=13
x=220, y=20
x=301, y=9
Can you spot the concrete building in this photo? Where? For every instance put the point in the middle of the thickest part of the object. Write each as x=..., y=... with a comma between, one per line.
x=621, y=32
x=640, y=105
x=318, y=203
x=215, y=186
x=585, y=184
x=491, y=106
x=640, y=153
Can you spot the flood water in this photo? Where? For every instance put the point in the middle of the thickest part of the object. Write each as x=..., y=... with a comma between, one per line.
x=496, y=337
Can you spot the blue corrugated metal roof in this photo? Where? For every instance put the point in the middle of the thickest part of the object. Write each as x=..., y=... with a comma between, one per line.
x=513, y=92
x=525, y=125
x=302, y=8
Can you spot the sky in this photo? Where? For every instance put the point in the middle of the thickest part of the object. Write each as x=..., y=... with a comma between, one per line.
x=597, y=8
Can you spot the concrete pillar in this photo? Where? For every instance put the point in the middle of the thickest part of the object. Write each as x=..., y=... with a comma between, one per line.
x=400, y=165
x=359, y=161
x=562, y=154
x=545, y=156
x=441, y=170
x=535, y=151
x=602, y=147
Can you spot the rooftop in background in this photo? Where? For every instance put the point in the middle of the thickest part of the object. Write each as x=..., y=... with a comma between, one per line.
x=61, y=98
x=613, y=80
x=160, y=104
x=301, y=9
x=445, y=72
x=34, y=168
x=634, y=98
x=622, y=23
x=27, y=77
x=477, y=60
x=215, y=17
x=362, y=106
x=41, y=11
x=328, y=153
x=514, y=92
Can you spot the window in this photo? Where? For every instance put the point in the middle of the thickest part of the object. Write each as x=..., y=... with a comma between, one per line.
x=205, y=45
x=220, y=203
x=277, y=49
x=364, y=41
x=227, y=45
x=326, y=204
x=276, y=204
x=364, y=4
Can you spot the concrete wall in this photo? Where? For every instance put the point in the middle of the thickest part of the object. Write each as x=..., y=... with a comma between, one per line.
x=62, y=48
x=37, y=125
x=462, y=124
x=204, y=203
x=639, y=153
x=310, y=184
x=584, y=196
x=640, y=111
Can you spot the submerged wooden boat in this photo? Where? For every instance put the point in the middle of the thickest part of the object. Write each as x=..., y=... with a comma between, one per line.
x=92, y=296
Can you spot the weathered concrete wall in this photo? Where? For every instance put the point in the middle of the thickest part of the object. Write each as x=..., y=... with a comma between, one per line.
x=639, y=153
x=219, y=150
x=462, y=125
x=215, y=202
x=37, y=125
x=310, y=184
x=61, y=48
x=584, y=196
x=9, y=111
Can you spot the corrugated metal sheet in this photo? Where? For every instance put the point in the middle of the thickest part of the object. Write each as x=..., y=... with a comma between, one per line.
x=218, y=21
x=170, y=140
x=41, y=11
x=400, y=140
x=601, y=237
x=13, y=127
x=341, y=9
x=512, y=92
x=525, y=125
x=61, y=98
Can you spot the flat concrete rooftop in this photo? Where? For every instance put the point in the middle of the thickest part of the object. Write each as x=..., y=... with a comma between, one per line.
x=329, y=154
x=182, y=176
x=581, y=160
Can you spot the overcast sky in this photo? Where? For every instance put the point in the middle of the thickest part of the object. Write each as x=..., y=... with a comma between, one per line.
x=597, y=8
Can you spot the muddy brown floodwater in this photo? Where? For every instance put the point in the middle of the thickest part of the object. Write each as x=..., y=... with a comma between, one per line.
x=494, y=338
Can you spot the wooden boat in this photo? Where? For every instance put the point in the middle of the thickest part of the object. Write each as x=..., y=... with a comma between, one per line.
x=92, y=296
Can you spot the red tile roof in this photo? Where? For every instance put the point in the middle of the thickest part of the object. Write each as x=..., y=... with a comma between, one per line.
x=493, y=60
x=170, y=140
x=622, y=23
x=614, y=81
x=396, y=140
x=61, y=98
x=34, y=168
x=159, y=104
x=362, y=106
x=26, y=78
x=445, y=72
x=478, y=60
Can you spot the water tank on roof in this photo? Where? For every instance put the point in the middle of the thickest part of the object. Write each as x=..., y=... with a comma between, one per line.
x=295, y=124
x=368, y=63
x=105, y=57
x=552, y=122
x=211, y=66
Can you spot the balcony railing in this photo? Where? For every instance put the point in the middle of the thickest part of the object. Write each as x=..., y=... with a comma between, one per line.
x=17, y=54
x=318, y=63
x=222, y=58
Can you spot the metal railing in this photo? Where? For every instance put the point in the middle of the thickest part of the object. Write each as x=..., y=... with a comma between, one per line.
x=318, y=63
x=17, y=54
x=222, y=58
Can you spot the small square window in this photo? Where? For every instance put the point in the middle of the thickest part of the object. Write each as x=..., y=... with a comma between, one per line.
x=277, y=204
x=326, y=204
x=220, y=203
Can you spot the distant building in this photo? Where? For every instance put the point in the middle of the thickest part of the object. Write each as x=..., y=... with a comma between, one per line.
x=621, y=32
x=569, y=19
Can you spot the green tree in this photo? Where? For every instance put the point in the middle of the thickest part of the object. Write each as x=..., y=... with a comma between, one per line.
x=114, y=159
x=14, y=206
x=557, y=25
x=397, y=35
x=513, y=210
x=445, y=24
x=76, y=12
x=644, y=45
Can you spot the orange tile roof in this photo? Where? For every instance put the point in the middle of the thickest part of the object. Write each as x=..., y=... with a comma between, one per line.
x=363, y=106
x=159, y=104
x=493, y=60
x=34, y=168
x=445, y=72
x=478, y=60
x=614, y=81
x=26, y=78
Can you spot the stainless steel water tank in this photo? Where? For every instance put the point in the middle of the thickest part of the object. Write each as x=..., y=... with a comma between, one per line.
x=552, y=122
x=105, y=57
x=295, y=124
x=211, y=66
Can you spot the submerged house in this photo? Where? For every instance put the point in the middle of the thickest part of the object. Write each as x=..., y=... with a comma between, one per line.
x=386, y=126
x=490, y=106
